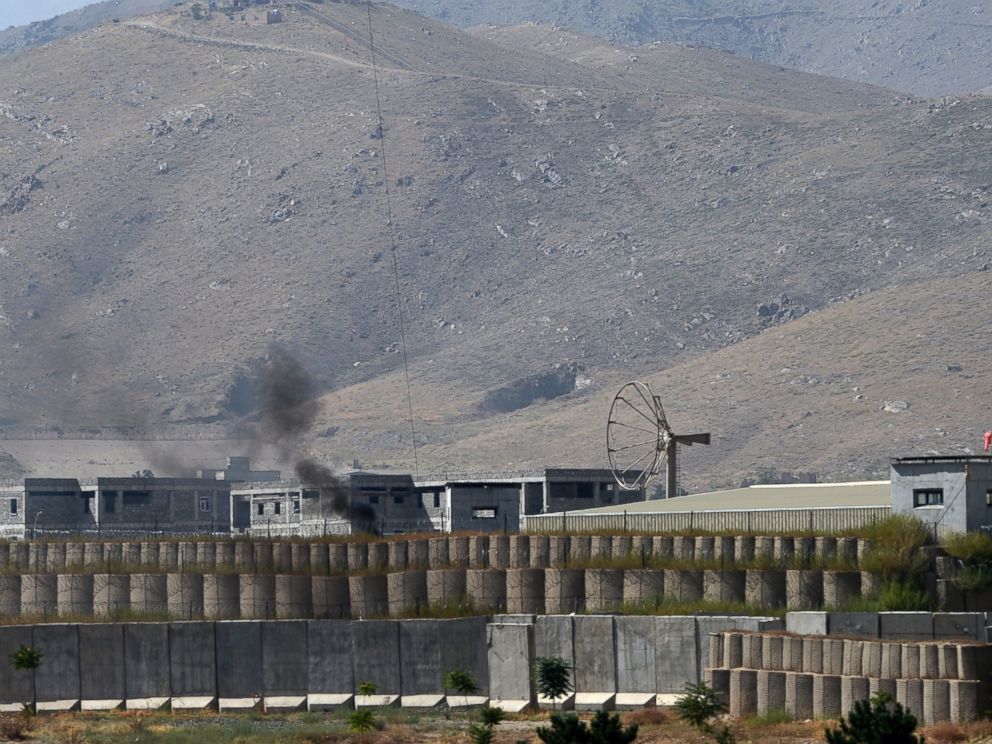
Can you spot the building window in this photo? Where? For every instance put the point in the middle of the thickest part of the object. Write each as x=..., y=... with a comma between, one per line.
x=296, y=507
x=136, y=498
x=484, y=512
x=260, y=509
x=205, y=504
x=13, y=506
x=437, y=501
x=928, y=497
x=109, y=503
x=397, y=499
x=278, y=508
x=86, y=504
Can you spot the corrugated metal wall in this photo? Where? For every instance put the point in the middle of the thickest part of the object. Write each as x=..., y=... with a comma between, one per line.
x=762, y=521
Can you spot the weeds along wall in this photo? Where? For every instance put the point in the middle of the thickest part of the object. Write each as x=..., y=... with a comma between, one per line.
x=457, y=551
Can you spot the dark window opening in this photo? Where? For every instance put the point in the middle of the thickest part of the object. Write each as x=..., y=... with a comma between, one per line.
x=278, y=508
x=585, y=490
x=205, y=504
x=484, y=512
x=86, y=504
x=437, y=501
x=311, y=494
x=260, y=508
x=398, y=499
x=296, y=507
x=136, y=498
x=13, y=506
x=928, y=497
x=369, y=490
x=109, y=502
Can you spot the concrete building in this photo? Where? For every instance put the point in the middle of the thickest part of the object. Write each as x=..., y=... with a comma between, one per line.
x=450, y=502
x=384, y=503
x=497, y=501
x=114, y=505
x=951, y=493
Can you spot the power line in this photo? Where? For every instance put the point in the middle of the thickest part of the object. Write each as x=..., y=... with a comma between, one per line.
x=392, y=243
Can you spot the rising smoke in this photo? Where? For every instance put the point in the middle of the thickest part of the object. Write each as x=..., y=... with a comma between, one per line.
x=289, y=405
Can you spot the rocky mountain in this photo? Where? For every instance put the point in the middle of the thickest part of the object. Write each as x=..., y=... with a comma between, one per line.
x=925, y=47
x=18, y=38
x=181, y=197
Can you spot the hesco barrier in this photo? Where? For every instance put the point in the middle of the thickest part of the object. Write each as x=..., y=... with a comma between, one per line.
x=821, y=677
x=438, y=553
x=194, y=595
x=826, y=519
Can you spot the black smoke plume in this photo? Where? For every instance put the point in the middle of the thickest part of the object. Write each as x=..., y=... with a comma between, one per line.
x=289, y=405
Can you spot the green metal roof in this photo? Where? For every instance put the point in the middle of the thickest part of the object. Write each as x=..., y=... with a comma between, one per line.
x=794, y=496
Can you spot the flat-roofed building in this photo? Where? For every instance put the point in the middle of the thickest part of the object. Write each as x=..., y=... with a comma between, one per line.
x=949, y=493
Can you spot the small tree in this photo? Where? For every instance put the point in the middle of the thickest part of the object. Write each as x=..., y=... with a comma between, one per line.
x=481, y=733
x=28, y=658
x=367, y=688
x=876, y=721
x=462, y=682
x=554, y=678
x=363, y=720
x=699, y=707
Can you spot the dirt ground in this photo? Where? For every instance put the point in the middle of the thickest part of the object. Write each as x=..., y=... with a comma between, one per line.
x=657, y=726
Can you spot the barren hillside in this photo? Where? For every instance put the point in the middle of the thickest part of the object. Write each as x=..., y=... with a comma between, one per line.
x=926, y=48
x=180, y=196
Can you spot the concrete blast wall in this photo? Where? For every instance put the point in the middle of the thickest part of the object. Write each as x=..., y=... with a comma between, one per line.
x=143, y=662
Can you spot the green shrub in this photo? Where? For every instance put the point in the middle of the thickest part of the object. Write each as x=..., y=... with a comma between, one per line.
x=367, y=688
x=876, y=721
x=363, y=720
x=904, y=595
x=896, y=550
x=491, y=716
x=699, y=707
x=603, y=729
x=481, y=733
x=970, y=547
x=971, y=578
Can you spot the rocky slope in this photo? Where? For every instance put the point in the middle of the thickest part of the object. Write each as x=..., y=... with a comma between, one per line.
x=927, y=47
x=180, y=197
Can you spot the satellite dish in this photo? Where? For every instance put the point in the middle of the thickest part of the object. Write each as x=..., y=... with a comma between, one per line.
x=639, y=440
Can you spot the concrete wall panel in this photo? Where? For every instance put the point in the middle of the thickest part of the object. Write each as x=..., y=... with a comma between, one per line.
x=285, y=663
x=192, y=659
x=146, y=660
x=677, y=650
x=511, y=659
x=330, y=654
x=101, y=662
x=421, y=672
x=636, y=645
x=595, y=657
x=463, y=646
x=58, y=676
x=239, y=659
x=376, y=649
x=15, y=686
